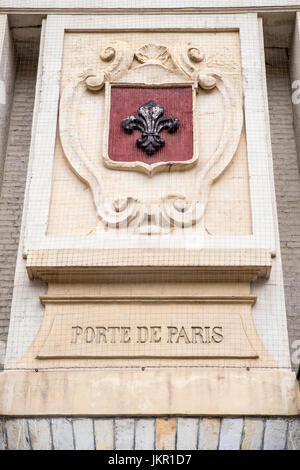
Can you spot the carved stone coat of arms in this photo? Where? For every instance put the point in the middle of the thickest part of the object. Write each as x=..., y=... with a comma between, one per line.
x=151, y=126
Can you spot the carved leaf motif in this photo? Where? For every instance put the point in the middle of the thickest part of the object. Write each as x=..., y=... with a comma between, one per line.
x=111, y=214
x=152, y=53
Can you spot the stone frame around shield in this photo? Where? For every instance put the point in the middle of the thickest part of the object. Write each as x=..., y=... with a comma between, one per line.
x=44, y=137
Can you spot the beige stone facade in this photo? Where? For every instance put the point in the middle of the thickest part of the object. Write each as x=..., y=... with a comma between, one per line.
x=132, y=282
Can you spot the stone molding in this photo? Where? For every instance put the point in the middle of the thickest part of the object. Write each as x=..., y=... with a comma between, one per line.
x=137, y=392
x=247, y=299
x=109, y=6
x=144, y=265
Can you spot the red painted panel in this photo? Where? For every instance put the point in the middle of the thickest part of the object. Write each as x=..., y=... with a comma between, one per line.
x=177, y=102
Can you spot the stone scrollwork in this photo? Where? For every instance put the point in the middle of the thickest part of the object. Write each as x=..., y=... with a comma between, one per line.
x=173, y=210
x=115, y=213
x=119, y=55
x=181, y=212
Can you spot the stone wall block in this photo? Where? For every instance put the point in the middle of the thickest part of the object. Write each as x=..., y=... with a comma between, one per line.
x=84, y=434
x=40, y=434
x=209, y=429
x=124, y=434
x=275, y=434
x=145, y=434
x=165, y=433
x=231, y=434
x=62, y=431
x=104, y=434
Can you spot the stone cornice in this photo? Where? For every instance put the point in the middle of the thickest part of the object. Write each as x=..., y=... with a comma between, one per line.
x=134, y=6
x=148, y=264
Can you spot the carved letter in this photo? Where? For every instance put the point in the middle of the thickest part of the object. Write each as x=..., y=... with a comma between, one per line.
x=101, y=330
x=182, y=334
x=197, y=331
x=142, y=334
x=113, y=332
x=77, y=331
x=207, y=334
x=154, y=338
x=89, y=334
x=172, y=330
x=219, y=335
x=125, y=330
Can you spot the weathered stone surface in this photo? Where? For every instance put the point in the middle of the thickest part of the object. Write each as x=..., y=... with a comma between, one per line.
x=285, y=165
x=293, y=435
x=62, y=434
x=84, y=434
x=17, y=434
x=165, y=433
x=65, y=341
x=288, y=204
x=253, y=434
x=40, y=435
x=148, y=392
x=231, y=434
x=209, y=429
x=104, y=434
x=124, y=434
x=136, y=40
x=2, y=436
x=145, y=434
x=187, y=433
x=275, y=434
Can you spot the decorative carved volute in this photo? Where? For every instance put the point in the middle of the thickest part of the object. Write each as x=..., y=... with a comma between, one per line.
x=119, y=55
x=183, y=60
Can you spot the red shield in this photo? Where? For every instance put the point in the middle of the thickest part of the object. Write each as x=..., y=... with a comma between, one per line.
x=176, y=101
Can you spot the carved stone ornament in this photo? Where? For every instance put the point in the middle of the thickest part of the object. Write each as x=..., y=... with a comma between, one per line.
x=150, y=121
x=136, y=104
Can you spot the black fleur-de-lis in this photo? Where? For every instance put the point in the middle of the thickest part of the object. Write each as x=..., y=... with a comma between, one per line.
x=150, y=121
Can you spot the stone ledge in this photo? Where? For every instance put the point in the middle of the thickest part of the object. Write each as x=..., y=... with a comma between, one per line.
x=111, y=265
x=160, y=392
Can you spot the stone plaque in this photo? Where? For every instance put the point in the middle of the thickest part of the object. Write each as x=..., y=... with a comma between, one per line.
x=149, y=215
x=129, y=334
